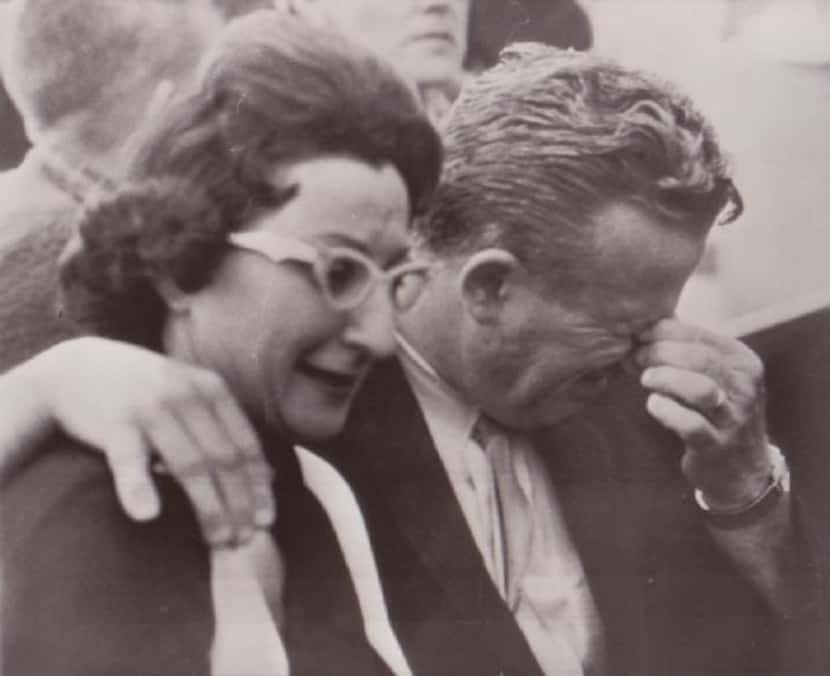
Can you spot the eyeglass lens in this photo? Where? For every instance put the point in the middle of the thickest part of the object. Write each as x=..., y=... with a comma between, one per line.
x=348, y=280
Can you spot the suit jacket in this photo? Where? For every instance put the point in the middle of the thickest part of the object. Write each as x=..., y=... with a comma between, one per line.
x=88, y=592
x=670, y=601
x=796, y=355
x=36, y=219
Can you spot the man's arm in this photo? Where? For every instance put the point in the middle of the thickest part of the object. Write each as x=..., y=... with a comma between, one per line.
x=131, y=404
x=771, y=554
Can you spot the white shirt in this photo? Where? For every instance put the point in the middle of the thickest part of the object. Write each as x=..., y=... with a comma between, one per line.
x=247, y=639
x=554, y=608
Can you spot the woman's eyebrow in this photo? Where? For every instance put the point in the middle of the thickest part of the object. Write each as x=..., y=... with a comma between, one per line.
x=341, y=239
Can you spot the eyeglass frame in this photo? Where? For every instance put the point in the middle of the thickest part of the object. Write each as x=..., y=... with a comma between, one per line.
x=279, y=249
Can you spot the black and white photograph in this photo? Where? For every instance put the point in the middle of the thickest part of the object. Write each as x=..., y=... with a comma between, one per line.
x=414, y=338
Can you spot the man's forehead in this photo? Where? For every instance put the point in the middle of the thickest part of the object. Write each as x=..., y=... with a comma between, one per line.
x=634, y=270
x=630, y=240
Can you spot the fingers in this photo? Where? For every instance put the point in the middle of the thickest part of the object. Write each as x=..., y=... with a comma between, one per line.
x=130, y=402
x=213, y=451
x=693, y=428
x=128, y=458
x=676, y=330
x=243, y=439
x=185, y=461
x=219, y=458
x=693, y=389
x=694, y=357
x=709, y=390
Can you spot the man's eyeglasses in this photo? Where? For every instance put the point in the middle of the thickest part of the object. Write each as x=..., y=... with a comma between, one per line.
x=345, y=276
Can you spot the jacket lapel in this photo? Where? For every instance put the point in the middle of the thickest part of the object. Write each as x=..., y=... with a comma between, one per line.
x=388, y=438
x=607, y=495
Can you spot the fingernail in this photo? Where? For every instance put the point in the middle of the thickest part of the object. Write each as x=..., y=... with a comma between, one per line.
x=647, y=378
x=144, y=503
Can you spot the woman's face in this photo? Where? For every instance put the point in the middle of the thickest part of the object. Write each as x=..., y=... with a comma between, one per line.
x=425, y=39
x=267, y=328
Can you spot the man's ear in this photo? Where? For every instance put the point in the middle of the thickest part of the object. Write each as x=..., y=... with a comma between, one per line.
x=177, y=301
x=485, y=283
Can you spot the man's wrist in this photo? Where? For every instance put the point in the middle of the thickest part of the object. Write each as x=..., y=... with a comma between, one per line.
x=754, y=509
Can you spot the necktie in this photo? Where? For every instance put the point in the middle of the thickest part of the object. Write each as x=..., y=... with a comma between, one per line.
x=514, y=506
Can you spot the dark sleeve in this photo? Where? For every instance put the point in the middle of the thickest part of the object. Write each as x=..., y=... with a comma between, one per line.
x=30, y=317
x=86, y=591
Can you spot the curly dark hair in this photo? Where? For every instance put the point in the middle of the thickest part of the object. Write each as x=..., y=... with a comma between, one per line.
x=275, y=91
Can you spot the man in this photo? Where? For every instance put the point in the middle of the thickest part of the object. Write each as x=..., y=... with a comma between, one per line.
x=574, y=204
x=79, y=106
x=516, y=528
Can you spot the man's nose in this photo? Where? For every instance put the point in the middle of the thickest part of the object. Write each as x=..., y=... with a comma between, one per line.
x=371, y=326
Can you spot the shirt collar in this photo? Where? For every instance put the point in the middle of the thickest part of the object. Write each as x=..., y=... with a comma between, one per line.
x=442, y=403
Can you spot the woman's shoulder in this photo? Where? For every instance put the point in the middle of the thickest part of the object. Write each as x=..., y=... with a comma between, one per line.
x=68, y=483
x=88, y=591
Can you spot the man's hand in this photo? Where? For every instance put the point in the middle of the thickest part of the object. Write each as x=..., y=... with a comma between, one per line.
x=709, y=390
x=132, y=403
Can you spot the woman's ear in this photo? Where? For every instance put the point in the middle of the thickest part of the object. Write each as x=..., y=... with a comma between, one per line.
x=486, y=283
x=177, y=301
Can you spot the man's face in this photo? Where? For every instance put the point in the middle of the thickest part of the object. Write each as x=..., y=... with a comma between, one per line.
x=425, y=39
x=553, y=352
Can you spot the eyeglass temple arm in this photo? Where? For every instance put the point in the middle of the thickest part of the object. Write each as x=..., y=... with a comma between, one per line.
x=273, y=246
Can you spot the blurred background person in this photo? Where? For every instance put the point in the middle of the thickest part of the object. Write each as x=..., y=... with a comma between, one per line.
x=82, y=85
x=435, y=42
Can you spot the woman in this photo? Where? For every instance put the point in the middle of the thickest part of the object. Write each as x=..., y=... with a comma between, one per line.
x=262, y=234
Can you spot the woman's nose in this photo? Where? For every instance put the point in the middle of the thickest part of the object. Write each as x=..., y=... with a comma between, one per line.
x=371, y=326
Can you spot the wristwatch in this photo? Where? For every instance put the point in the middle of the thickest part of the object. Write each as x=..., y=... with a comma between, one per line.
x=756, y=509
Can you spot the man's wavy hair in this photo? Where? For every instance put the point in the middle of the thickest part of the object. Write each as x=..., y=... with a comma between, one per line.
x=275, y=91
x=537, y=144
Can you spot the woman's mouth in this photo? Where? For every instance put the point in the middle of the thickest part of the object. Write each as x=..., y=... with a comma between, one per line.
x=339, y=381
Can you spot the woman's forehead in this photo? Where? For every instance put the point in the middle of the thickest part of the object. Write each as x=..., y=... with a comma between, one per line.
x=342, y=201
